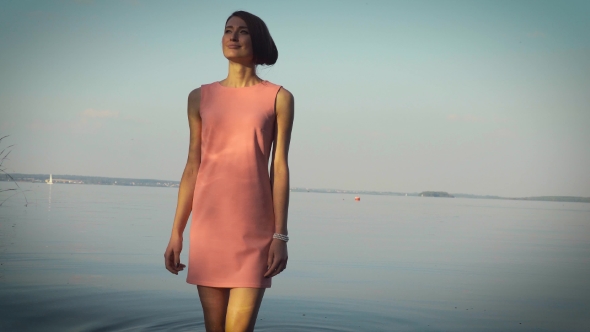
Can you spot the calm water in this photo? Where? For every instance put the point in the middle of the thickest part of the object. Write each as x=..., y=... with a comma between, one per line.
x=90, y=258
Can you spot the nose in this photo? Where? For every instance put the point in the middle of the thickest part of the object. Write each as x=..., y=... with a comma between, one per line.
x=234, y=36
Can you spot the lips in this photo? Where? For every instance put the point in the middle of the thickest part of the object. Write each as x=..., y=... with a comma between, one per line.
x=233, y=46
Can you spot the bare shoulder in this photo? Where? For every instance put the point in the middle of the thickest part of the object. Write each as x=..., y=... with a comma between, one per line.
x=285, y=104
x=194, y=102
x=285, y=96
x=195, y=95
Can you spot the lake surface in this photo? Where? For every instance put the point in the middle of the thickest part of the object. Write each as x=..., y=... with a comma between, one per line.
x=90, y=258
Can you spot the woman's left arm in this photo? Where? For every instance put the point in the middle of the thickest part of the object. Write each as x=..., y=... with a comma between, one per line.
x=279, y=177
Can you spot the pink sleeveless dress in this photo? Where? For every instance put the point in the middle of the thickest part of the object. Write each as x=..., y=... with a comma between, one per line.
x=232, y=215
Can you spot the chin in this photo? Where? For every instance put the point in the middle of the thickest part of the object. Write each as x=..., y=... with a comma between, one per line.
x=239, y=59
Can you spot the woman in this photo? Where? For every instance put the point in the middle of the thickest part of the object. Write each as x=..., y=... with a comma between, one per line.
x=238, y=234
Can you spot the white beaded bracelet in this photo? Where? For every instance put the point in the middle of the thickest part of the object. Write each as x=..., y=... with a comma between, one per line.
x=282, y=237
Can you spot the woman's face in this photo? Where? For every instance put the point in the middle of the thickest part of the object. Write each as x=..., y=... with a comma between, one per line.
x=236, y=42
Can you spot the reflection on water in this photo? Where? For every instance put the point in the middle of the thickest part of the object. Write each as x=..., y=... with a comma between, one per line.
x=60, y=308
x=92, y=259
x=49, y=198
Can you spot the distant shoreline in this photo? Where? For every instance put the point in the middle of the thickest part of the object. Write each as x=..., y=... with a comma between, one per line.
x=574, y=199
x=99, y=180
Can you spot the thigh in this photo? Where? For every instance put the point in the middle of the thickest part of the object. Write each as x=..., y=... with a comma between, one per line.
x=214, y=302
x=242, y=309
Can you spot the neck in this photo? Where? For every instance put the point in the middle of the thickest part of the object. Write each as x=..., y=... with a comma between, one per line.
x=240, y=75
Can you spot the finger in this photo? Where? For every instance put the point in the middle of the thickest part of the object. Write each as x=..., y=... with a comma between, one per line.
x=171, y=269
x=167, y=258
x=272, y=271
x=176, y=259
x=272, y=268
x=278, y=270
x=169, y=263
x=269, y=272
x=270, y=259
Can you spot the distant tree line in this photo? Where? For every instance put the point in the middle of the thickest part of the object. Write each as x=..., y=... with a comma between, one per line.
x=165, y=183
x=92, y=180
x=436, y=194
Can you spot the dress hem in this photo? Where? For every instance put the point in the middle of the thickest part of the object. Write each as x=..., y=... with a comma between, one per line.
x=226, y=285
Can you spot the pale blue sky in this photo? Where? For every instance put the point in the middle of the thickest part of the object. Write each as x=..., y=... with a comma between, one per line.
x=482, y=97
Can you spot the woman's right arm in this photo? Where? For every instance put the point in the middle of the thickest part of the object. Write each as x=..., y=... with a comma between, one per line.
x=187, y=185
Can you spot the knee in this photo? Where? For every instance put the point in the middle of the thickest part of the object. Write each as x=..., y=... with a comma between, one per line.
x=240, y=319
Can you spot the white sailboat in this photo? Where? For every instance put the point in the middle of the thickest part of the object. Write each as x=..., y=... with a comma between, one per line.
x=50, y=181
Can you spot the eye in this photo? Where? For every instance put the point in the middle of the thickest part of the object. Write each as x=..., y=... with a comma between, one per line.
x=244, y=32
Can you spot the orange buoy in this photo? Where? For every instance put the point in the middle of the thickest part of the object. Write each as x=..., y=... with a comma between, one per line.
x=357, y=198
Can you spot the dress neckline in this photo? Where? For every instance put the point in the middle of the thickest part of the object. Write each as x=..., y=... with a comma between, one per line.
x=243, y=87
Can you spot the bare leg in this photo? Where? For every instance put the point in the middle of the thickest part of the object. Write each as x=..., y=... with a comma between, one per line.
x=214, y=302
x=242, y=309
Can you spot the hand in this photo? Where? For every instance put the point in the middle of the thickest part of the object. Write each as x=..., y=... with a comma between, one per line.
x=172, y=255
x=277, y=258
